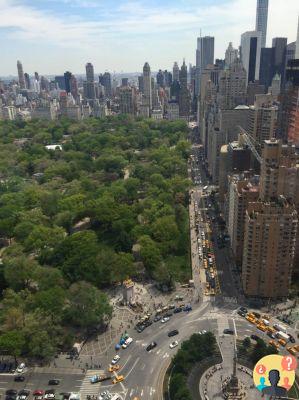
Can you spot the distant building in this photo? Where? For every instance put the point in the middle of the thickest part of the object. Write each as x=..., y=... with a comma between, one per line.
x=173, y=111
x=105, y=80
x=204, y=57
x=67, y=79
x=175, y=72
x=232, y=86
x=21, y=75
x=262, y=20
x=127, y=102
x=147, y=86
x=250, y=54
x=231, y=55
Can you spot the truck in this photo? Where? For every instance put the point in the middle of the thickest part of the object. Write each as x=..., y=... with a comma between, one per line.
x=280, y=328
x=282, y=335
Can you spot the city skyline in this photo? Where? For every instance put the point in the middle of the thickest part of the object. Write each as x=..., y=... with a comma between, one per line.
x=56, y=36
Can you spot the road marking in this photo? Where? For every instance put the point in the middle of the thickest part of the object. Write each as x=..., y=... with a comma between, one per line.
x=158, y=351
x=142, y=367
x=152, y=370
x=131, y=392
x=141, y=394
x=134, y=365
x=129, y=358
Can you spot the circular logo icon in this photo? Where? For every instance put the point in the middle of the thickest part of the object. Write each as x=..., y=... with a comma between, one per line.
x=274, y=374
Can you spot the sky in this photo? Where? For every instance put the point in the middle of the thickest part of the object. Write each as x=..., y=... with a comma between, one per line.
x=52, y=36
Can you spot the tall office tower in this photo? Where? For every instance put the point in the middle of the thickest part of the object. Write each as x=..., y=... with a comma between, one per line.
x=232, y=86
x=147, y=86
x=270, y=230
x=36, y=76
x=21, y=75
x=291, y=52
x=204, y=57
x=297, y=43
x=167, y=78
x=231, y=55
x=275, y=86
x=242, y=191
x=251, y=54
x=288, y=100
x=160, y=78
x=27, y=81
x=184, y=95
x=125, y=82
x=263, y=118
x=279, y=46
x=89, y=72
x=74, y=87
x=44, y=84
x=67, y=79
x=262, y=19
x=105, y=80
x=59, y=79
x=127, y=100
x=140, y=84
x=175, y=72
x=266, y=67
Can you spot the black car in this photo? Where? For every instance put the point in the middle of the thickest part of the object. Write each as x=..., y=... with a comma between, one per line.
x=243, y=309
x=228, y=331
x=173, y=333
x=157, y=318
x=168, y=314
x=24, y=392
x=255, y=337
x=148, y=323
x=241, y=313
x=292, y=339
x=151, y=346
x=11, y=397
x=141, y=328
x=54, y=382
x=19, y=378
x=177, y=310
x=256, y=314
x=11, y=392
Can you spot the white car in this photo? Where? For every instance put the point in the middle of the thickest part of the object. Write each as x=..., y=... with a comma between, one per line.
x=127, y=343
x=174, y=344
x=202, y=332
x=115, y=359
x=164, y=319
x=21, y=368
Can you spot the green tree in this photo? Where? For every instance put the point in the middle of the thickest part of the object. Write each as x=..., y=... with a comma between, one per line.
x=13, y=343
x=88, y=306
x=19, y=272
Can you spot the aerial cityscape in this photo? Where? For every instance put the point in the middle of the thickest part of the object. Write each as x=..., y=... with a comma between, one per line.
x=149, y=235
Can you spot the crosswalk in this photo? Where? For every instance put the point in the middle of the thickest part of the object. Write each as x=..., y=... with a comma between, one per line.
x=91, y=389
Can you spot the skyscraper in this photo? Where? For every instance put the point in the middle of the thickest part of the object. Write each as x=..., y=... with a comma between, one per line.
x=175, y=72
x=89, y=85
x=89, y=72
x=251, y=54
x=204, y=57
x=184, y=95
x=27, y=81
x=231, y=55
x=262, y=19
x=21, y=75
x=67, y=79
x=105, y=80
x=147, y=86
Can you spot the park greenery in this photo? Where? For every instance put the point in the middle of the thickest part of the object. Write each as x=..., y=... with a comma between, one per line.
x=192, y=351
x=254, y=351
x=69, y=219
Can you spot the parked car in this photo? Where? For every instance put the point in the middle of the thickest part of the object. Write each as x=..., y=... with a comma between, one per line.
x=115, y=359
x=173, y=333
x=174, y=344
x=19, y=378
x=164, y=319
x=50, y=394
x=151, y=346
x=292, y=339
x=21, y=368
x=177, y=310
x=255, y=337
x=228, y=331
x=54, y=382
x=157, y=318
x=11, y=392
x=38, y=392
x=187, y=308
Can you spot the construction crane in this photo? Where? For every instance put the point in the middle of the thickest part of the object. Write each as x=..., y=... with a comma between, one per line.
x=251, y=143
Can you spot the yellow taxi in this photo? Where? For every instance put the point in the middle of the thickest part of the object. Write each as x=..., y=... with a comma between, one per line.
x=274, y=344
x=282, y=342
x=113, y=368
x=291, y=350
x=117, y=379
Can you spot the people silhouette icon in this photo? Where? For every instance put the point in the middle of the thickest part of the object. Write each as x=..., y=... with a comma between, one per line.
x=262, y=384
x=286, y=383
x=274, y=389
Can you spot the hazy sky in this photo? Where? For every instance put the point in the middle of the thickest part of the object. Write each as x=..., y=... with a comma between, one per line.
x=52, y=36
